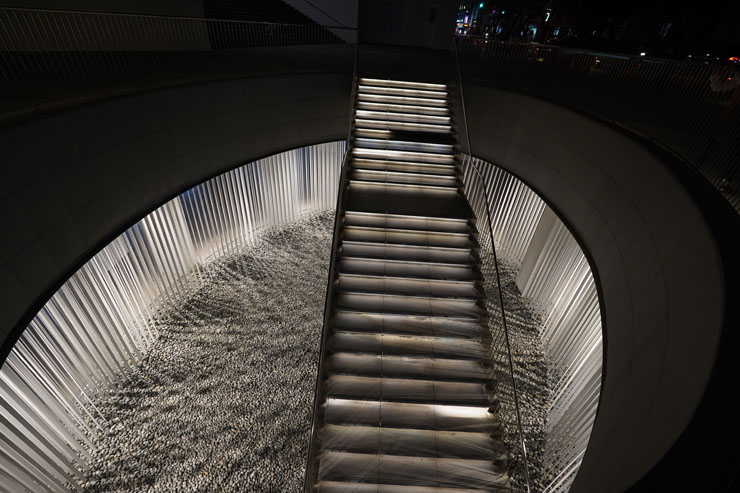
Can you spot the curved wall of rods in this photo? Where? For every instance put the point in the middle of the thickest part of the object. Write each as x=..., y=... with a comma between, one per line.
x=559, y=282
x=98, y=325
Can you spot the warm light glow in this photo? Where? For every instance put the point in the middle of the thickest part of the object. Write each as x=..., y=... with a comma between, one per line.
x=460, y=411
x=402, y=83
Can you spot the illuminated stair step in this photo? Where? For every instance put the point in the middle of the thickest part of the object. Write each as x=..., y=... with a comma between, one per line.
x=401, y=91
x=388, y=323
x=397, y=251
x=403, y=83
x=407, y=390
x=405, y=166
x=405, y=345
x=410, y=442
x=440, y=142
x=354, y=487
x=420, y=471
x=410, y=415
x=400, y=177
x=404, y=126
x=401, y=117
x=400, y=145
x=425, y=368
x=403, y=108
x=424, y=157
x=402, y=304
x=407, y=236
x=420, y=270
x=424, y=223
x=407, y=285
x=405, y=187
x=384, y=98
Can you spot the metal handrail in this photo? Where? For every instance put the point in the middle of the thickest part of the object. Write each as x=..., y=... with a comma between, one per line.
x=498, y=277
x=328, y=305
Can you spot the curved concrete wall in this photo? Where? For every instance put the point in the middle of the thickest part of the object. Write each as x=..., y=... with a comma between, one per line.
x=70, y=182
x=657, y=266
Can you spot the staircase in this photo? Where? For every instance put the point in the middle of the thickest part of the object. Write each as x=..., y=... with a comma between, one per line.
x=405, y=401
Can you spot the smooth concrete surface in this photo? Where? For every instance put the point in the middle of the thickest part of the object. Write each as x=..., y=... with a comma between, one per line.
x=71, y=181
x=655, y=261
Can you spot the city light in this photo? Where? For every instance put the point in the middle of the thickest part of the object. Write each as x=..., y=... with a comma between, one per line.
x=643, y=53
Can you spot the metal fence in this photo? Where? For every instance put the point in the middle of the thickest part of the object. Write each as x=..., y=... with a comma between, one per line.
x=690, y=109
x=99, y=324
x=48, y=58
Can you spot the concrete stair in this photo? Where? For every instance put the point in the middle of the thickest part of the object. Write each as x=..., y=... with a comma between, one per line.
x=407, y=398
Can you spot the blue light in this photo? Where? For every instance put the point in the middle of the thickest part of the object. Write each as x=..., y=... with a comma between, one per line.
x=481, y=5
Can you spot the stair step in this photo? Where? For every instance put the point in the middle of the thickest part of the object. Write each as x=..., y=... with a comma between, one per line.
x=413, y=188
x=410, y=415
x=425, y=368
x=353, y=487
x=405, y=166
x=419, y=471
x=403, y=108
x=399, y=155
x=362, y=123
x=402, y=91
x=409, y=442
x=401, y=221
x=398, y=251
x=419, y=270
x=420, y=136
x=403, y=145
x=367, y=283
x=406, y=345
x=418, y=305
x=407, y=390
x=393, y=116
x=407, y=237
x=388, y=323
x=407, y=178
x=432, y=86
x=385, y=98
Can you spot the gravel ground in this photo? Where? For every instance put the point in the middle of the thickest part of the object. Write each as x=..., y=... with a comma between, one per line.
x=223, y=400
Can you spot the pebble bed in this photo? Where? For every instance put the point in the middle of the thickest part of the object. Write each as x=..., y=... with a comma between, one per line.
x=223, y=400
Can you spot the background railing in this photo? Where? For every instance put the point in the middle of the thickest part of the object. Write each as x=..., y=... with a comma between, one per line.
x=690, y=109
x=49, y=58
